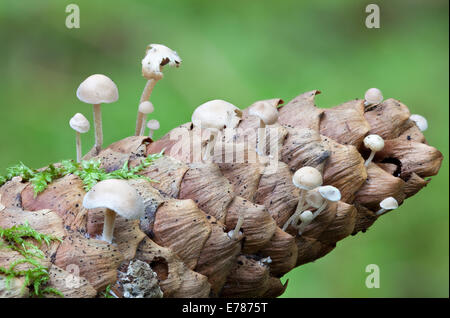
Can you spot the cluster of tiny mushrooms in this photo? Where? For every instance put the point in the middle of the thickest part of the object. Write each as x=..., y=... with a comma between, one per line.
x=118, y=197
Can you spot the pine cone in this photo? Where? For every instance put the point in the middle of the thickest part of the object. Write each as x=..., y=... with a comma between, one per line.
x=193, y=206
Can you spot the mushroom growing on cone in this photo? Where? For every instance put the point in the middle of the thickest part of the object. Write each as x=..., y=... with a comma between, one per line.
x=188, y=216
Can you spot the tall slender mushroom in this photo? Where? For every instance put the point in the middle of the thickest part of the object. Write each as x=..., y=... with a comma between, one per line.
x=152, y=125
x=389, y=203
x=214, y=116
x=81, y=125
x=306, y=178
x=145, y=108
x=374, y=143
x=156, y=56
x=268, y=115
x=118, y=197
x=373, y=96
x=420, y=121
x=98, y=89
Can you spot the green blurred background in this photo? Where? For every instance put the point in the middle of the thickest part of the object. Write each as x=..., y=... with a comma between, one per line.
x=243, y=51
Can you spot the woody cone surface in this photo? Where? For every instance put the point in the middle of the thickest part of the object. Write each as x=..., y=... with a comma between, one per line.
x=190, y=210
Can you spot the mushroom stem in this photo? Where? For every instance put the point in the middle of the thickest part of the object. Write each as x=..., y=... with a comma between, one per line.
x=98, y=128
x=261, y=148
x=150, y=133
x=320, y=209
x=78, y=142
x=292, y=220
x=210, y=145
x=108, y=225
x=238, y=226
x=301, y=201
x=141, y=133
x=369, y=160
x=140, y=122
x=380, y=212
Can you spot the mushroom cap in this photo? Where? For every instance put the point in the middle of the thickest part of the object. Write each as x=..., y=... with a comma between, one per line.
x=97, y=89
x=215, y=115
x=79, y=123
x=314, y=198
x=146, y=107
x=306, y=216
x=389, y=203
x=266, y=112
x=330, y=193
x=420, y=121
x=374, y=142
x=156, y=56
x=373, y=96
x=307, y=178
x=116, y=195
x=153, y=124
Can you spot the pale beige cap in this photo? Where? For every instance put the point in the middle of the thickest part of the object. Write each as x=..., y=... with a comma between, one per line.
x=146, y=107
x=116, y=195
x=374, y=142
x=216, y=114
x=98, y=89
x=389, y=203
x=373, y=96
x=307, y=178
x=265, y=111
x=330, y=193
x=153, y=124
x=420, y=121
x=79, y=123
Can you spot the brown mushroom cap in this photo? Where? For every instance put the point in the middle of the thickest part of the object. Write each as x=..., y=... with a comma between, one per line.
x=98, y=89
x=116, y=195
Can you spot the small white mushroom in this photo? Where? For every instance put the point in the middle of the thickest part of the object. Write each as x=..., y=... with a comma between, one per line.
x=420, y=121
x=234, y=234
x=81, y=125
x=152, y=125
x=145, y=108
x=389, y=203
x=156, y=57
x=98, y=89
x=374, y=143
x=268, y=115
x=214, y=116
x=306, y=178
x=117, y=197
x=306, y=218
x=329, y=194
x=373, y=96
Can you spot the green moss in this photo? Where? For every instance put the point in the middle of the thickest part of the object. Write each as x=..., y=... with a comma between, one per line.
x=88, y=171
x=107, y=292
x=37, y=276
